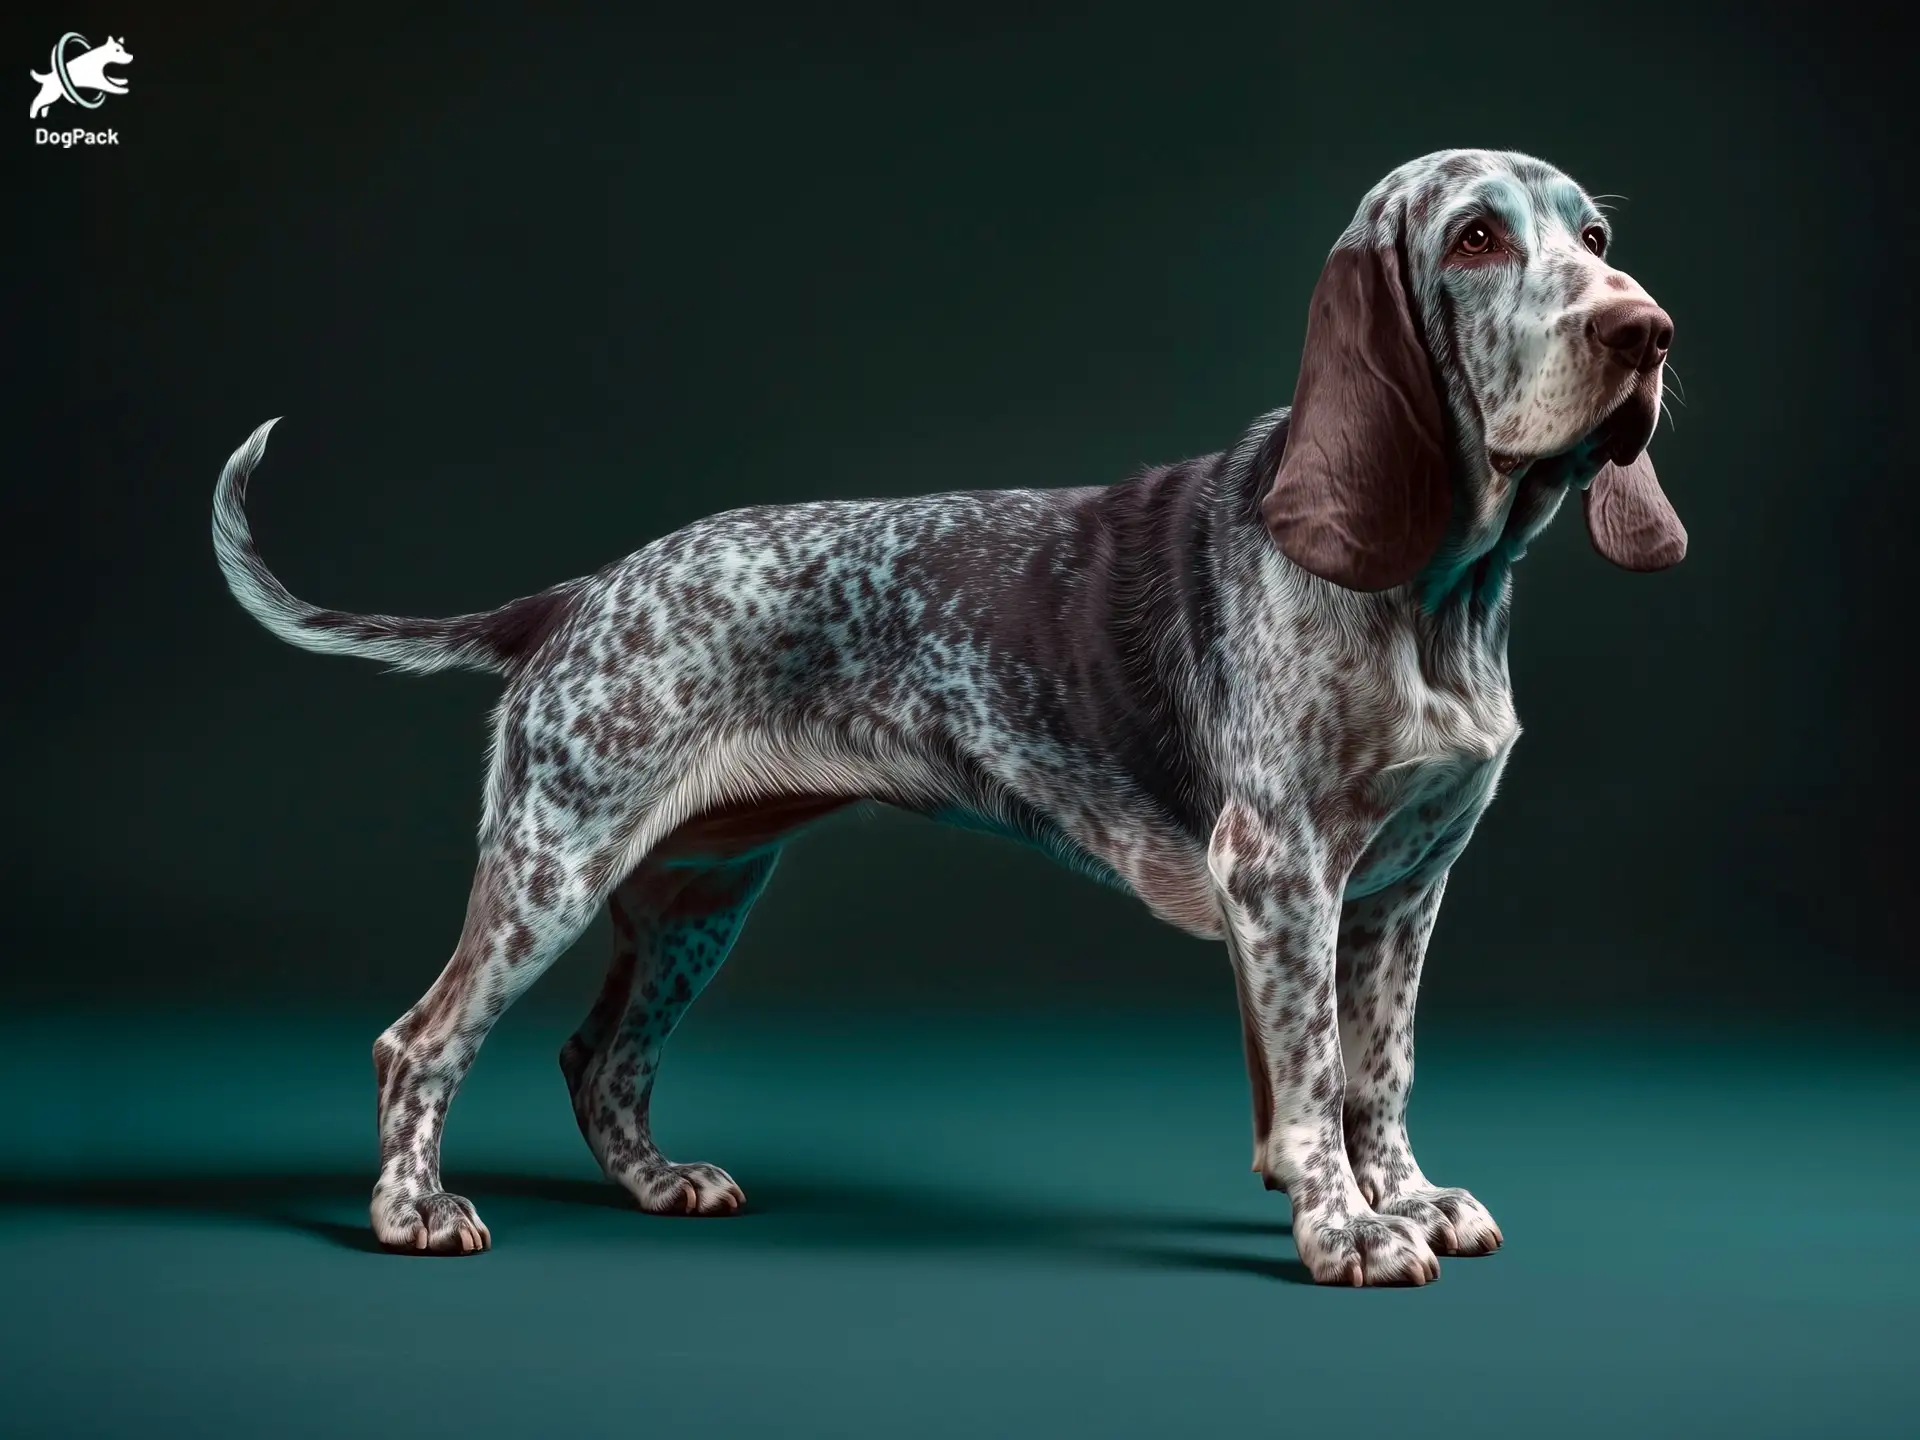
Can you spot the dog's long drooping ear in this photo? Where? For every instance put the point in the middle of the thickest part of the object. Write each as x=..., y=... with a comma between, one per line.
x=1362, y=493
x=1630, y=520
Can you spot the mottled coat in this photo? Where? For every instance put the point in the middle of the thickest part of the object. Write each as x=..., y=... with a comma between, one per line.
x=1265, y=691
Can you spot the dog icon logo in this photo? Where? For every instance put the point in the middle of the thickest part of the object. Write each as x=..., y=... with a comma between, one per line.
x=85, y=71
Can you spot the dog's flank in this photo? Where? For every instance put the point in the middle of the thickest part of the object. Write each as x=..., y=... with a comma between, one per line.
x=1266, y=692
x=491, y=640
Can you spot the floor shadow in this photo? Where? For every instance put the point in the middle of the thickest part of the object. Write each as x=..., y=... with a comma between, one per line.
x=867, y=1213
x=788, y=1212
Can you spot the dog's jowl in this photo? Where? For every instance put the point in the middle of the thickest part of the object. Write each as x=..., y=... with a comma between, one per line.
x=1264, y=691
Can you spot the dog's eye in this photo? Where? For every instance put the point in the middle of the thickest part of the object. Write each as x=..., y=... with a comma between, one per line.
x=1595, y=239
x=1476, y=239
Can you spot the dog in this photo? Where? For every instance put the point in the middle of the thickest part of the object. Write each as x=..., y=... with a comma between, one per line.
x=86, y=71
x=1266, y=692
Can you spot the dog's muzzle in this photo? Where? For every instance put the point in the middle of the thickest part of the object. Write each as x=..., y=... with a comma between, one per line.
x=1626, y=431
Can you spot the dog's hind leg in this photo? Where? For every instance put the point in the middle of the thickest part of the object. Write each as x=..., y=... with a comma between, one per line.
x=673, y=927
x=532, y=896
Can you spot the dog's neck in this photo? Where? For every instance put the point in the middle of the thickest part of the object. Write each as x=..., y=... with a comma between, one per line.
x=1458, y=606
x=1495, y=523
x=1472, y=570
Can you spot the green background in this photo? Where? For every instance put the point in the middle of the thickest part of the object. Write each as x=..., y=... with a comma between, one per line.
x=533, y=286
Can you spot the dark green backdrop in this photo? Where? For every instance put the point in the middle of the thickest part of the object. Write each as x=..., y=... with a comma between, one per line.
x=532, y=291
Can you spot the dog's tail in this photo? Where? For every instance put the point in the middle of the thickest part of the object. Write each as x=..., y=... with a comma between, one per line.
x=491, y=640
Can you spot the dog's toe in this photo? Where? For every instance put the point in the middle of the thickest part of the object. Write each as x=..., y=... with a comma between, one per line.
x=1454, y=1222
x=433, y=1224
x=1367, y=1249
x=695, y=1189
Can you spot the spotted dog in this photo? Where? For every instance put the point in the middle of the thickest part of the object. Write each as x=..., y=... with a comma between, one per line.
x=1266, y=692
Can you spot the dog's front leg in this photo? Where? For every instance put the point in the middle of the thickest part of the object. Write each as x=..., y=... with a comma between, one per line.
x=1278, y=884
x=1383, y=944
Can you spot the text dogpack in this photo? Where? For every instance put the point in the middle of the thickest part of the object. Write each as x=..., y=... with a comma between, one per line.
x=67, y=139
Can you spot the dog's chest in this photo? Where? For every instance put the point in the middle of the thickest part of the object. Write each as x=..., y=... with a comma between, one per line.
x=1431, y=798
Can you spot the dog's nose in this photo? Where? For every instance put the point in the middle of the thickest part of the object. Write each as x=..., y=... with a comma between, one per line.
x=1634, y=332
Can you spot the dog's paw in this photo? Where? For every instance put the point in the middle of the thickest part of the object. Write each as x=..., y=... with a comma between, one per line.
x=1365, y=1249
x=434, y=1224
x=1453, y=1221
x=664, y=1188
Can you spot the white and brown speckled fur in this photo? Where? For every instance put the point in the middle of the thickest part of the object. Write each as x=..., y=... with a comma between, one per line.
x=1136, y=678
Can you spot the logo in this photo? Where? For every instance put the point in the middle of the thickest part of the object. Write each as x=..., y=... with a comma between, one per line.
x=70, y=74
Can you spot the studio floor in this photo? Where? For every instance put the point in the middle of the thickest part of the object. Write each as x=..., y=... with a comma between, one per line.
x=971, y=1229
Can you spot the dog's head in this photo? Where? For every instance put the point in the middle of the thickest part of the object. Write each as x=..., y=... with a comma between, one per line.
x=1472, y=355
x=111, y=53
